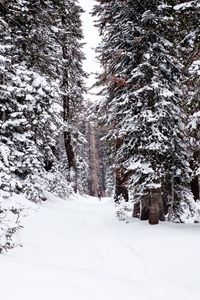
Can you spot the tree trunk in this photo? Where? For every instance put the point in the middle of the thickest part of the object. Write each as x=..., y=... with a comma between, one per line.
x=195, y=187
x=121, y=190
x=195, y=183
x=72, y=170
x=67, y=115
x=136, y=210
x=155, y=206
x=162, y=211
x=144, y=211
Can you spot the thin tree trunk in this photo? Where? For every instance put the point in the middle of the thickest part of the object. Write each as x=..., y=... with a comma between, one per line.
x=195, y=183
x=144, y=210
x=121, y=190
x=70, y=156
x=136, y=210
x=172, y=195
x=195, y=187
x=72, y=170
x=162, y=217
x=67, y=115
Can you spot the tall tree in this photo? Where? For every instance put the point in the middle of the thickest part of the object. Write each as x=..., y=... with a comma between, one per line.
x=34, y=91
x=69, y=32
x=188, y=39
x=145, y=104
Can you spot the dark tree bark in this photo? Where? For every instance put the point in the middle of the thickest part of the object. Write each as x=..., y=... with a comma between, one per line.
x=136, y=210
x=195, y=183
x=144, y=216
x=67, y=116
x=152, y=208
x=155, y=206
x=195, y=187
x=68, y=145
x=121, y=190
x=162, y=217
x=121, y=178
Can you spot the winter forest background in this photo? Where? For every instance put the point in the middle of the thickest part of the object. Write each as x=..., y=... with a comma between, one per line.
x=138, y=142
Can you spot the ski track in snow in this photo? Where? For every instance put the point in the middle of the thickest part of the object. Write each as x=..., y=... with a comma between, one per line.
x=77, y=249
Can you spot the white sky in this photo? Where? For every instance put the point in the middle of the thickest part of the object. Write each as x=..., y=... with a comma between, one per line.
x=91, y=39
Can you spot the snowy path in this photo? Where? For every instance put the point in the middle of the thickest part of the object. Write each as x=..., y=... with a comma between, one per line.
x=78, y=250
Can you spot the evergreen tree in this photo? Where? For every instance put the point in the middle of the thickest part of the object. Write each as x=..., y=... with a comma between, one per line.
x=40, y=70
x=69, y=34
x=144, y=106
x=27, y=94
x=187, y=16
x=34, y=89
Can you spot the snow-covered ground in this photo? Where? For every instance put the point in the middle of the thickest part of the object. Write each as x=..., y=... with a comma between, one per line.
x=77, y=249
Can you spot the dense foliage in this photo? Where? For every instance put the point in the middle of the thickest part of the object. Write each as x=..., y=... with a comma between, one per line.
x=144, y=106
x=41, y=95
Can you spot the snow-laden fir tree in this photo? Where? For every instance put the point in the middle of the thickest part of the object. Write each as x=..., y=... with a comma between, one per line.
x=110, y=113
x=188, y=15
x=144, y=106
x=40, y=46
x=43, y=40
x=69, y=37
x=27, y=128
x=9, y=181
x=194, y=124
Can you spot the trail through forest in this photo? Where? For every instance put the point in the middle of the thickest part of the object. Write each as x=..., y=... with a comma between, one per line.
x=77, y=249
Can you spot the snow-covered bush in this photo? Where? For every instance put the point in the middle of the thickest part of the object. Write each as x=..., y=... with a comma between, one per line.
x=9, y=225
x=12, y=213
x=123, y=209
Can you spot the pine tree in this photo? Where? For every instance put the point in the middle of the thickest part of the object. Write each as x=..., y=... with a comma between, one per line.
x=188, y=14
x=30, y=125
x=194, y=124
x=40, y=44
x=111, y=24
x=72, y=87
x=7, y=181
x=144, y=107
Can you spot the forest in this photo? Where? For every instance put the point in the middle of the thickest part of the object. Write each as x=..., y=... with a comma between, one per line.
x=92, y=155
x=139, y=143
